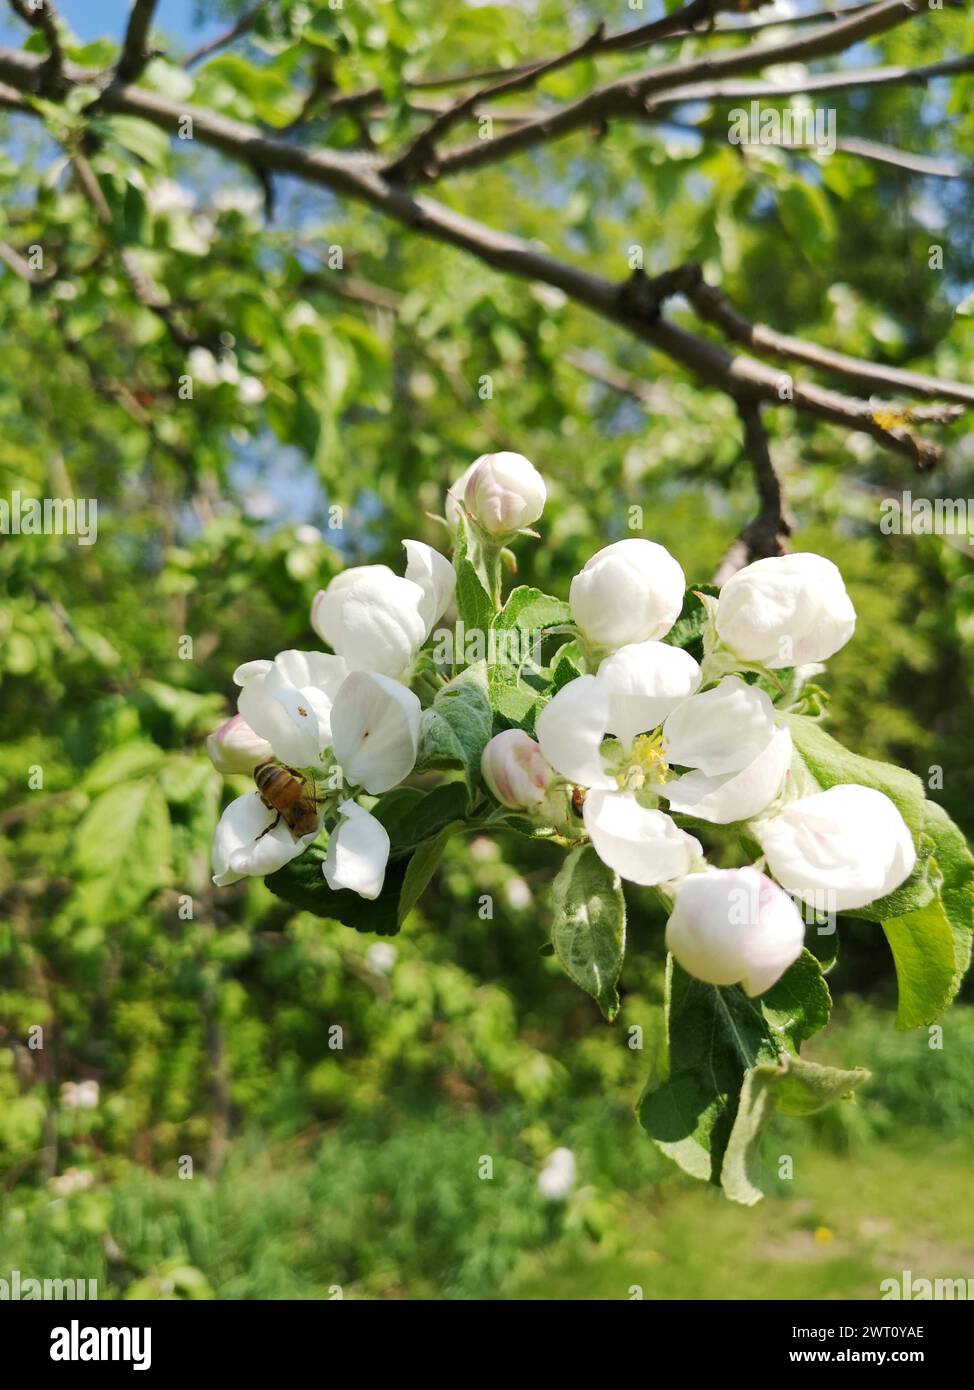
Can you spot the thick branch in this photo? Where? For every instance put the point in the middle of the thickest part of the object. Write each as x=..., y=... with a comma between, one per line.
x=713, y=306
x=631, y=95
x=135, y=47
x=43, y=16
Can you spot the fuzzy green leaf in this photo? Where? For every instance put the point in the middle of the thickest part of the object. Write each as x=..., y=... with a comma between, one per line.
x=589, y=926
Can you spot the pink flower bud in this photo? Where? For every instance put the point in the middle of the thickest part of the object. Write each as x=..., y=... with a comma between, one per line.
x=505, y=493
x=515, y=770
x=234, y=747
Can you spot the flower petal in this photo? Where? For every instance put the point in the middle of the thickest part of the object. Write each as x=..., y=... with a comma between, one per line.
x=358, y=851
x=244, y=846
x=733, y=796
x=720, y=730
x=646, y=682
x=375, y=731
x=374, y=621
x=570, y=731
x=643, y=846
x=435, y=576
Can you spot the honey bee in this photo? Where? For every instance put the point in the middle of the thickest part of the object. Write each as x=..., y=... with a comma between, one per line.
x=284, y=790
x=578, y=799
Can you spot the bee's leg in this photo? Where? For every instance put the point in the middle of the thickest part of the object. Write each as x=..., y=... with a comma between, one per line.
x=273, y=825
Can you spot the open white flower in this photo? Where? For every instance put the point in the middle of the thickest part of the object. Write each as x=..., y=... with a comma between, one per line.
x=504, y=492
x=288, y=702
x=629, y=697
x=787, y=610
x=631, y=591
x=734, y=926
x=739, y=758
x=839, y=849
x=305, y=704
x=377, y=621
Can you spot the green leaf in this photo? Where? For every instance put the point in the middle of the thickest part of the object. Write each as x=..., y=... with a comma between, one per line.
x=800, y=1003
x=421, y=868
x=456, y=727
x=473, y=602
x=713, y=1036
x=532, y=611
x=687, y=632
x=956, y=865
x=923, y=949
x=793, y=1086
x=123, y=848
x=302, y=883
x=425, y=817
x=122, y=764
x=139, y=137
x=589, y=926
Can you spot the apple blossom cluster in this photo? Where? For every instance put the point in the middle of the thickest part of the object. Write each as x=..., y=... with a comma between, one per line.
x=634, y=754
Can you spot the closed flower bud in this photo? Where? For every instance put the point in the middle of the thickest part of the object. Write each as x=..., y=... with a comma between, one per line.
x=515, y=770
x=234, y=747
x=839, y=849
x=504, y=492
x=788, y=610
x=631, y=591
x=734, y=926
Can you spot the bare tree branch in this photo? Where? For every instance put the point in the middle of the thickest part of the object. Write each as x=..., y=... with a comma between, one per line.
x=850, y=79
x=715, y=308
x=420, y=158
x=243, y=26
x=627, y=40
x=22, y=268
x=135, y=47
x=43, y=16
x=912, y=163
x=767, y=533
x=629, y=96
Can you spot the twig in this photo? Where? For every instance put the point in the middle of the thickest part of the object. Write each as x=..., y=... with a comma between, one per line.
x=767, y=533
x=243, y=26
x=420, y=158
x=22, y=268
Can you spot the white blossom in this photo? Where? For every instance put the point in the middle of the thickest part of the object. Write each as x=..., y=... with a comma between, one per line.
x=787, y=610
x=376, y=620
x=848, y=845
x=734, y=926
x=740, y=759
x=630, y=591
